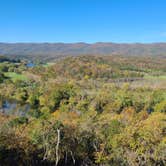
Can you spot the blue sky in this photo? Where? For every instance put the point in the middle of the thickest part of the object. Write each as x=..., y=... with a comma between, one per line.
x=83, y=21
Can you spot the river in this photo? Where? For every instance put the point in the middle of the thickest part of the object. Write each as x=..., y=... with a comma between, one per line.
x=11, y=107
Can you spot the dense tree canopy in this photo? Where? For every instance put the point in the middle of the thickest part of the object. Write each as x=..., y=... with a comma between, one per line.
x=83, y=111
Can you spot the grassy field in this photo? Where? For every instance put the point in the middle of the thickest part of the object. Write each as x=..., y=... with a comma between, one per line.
x=15, y=76
x=162, y=77
x=48, y=64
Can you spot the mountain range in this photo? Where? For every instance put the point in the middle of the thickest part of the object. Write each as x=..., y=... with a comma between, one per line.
x=51, y=51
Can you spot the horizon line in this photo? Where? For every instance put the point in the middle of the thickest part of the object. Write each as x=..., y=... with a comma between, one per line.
x=88, y=43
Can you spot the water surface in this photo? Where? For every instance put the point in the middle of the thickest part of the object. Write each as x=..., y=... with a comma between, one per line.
x=11, y=107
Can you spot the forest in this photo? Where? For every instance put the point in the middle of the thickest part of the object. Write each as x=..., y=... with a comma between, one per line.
x=83, y=111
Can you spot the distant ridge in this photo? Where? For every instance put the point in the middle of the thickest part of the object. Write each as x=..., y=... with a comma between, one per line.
x=51, y=51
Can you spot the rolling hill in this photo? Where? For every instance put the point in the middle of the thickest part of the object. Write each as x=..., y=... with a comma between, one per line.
x=51, y=51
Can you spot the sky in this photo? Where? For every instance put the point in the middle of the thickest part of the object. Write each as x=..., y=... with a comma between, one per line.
x=68, y=21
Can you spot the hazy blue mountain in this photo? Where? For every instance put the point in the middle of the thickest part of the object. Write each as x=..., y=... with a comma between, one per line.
x=50, y=51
